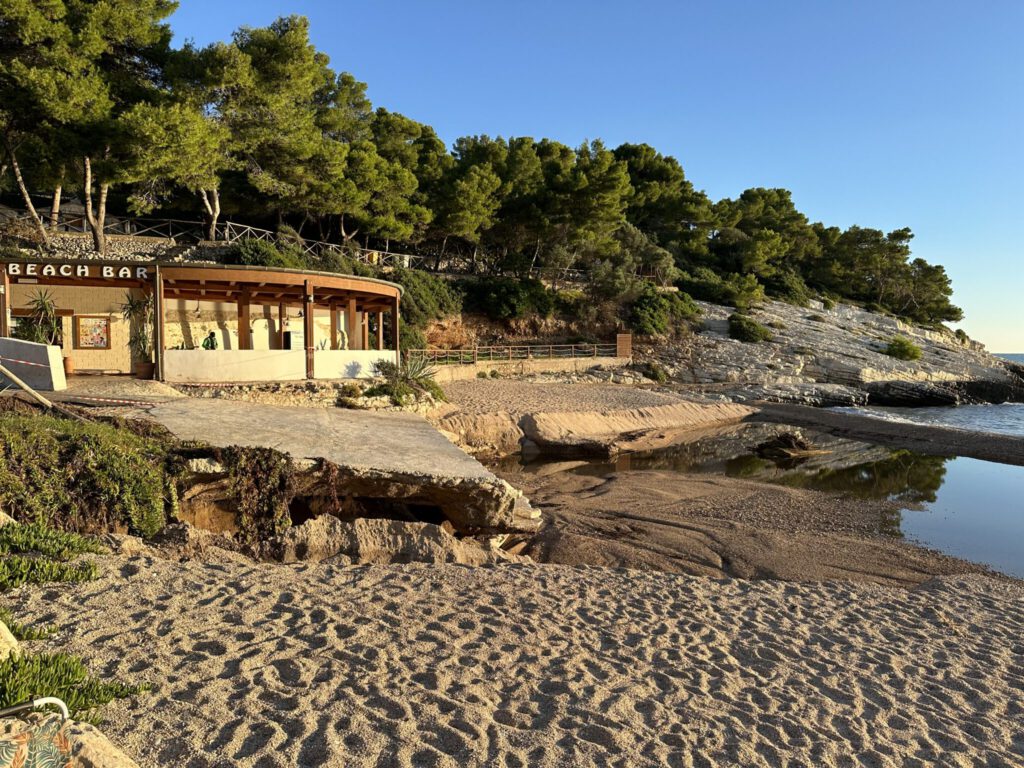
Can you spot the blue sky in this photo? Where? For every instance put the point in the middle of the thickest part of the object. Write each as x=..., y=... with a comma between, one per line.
x=882, y=114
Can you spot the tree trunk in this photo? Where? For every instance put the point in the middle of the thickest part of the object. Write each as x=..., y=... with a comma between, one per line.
x=437, y=261
x=345, y=236
x=211, y=204
x=16, y=169
x=55, y=208
x=95, y=216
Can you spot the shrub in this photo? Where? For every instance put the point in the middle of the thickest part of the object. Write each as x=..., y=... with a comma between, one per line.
x=789, y=287
x=22, y=631
x=481, y=374
x=58, y=674
x=21, y=538
x=902, y=348
x=656, y=313
x=82, y=476
x=961, y=336
x=827, y=302
x=261, y=482
x=740, y=291
x=656, y=372
x=17, y=570
x=495, y=374
x=412, y=379
x=350, y=389
x=506, y=298
x=746, y=329
x=260, y=253
x=817, y=318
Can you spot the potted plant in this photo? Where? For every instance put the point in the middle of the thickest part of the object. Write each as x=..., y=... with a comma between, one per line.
x=138, y=311
x=42, y=325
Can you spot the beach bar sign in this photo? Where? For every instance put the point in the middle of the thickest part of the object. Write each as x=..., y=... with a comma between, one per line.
x=77, y=271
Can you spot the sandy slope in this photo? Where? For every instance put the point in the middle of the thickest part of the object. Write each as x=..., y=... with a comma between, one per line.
x=266, y=665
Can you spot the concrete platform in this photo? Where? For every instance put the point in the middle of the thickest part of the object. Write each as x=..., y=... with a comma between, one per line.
x=387, y=442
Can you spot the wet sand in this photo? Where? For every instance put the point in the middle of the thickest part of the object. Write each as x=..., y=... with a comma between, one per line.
x=543, y=665
x=713, y=525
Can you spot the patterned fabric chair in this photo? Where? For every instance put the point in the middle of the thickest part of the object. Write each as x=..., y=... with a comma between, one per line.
x=39, y=741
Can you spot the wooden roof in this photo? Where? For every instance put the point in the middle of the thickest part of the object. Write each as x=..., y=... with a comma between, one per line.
x=229, y=283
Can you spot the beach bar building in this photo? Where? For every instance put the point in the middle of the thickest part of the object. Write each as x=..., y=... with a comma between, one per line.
x=268, y=324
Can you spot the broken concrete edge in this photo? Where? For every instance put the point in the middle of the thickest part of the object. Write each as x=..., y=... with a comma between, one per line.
x=586, y=434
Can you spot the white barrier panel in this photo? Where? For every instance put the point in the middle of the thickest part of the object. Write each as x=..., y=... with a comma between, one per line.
x=348, y=363
x=209, y=366
x=38, y=365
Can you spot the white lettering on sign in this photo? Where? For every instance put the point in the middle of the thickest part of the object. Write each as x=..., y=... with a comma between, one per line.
x=15, y=269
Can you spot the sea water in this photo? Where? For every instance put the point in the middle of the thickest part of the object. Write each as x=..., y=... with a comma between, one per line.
x=1005, y=418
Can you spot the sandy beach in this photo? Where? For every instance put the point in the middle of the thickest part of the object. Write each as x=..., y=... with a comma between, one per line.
x=269, y=665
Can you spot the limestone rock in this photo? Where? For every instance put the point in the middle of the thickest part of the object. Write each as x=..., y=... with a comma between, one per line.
x=8, y=643
x=381, y=541
x=44, y=735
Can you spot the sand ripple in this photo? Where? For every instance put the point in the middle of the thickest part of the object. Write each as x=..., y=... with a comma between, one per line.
x=524, y=665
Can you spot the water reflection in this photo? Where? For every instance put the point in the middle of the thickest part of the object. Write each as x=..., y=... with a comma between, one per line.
x=964, y=507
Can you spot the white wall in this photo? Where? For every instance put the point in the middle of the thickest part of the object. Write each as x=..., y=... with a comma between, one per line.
x=47, y=371
x=348, y=363
x=225, y=365
x=218, y=366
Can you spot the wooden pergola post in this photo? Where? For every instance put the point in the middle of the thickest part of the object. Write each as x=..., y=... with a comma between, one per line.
x=281, y=315
x=5, y=302
x=350, y=325
x=365, y=329
x=334, y=327
x=380, y=331
x=244, y=326
x=159, y=342
x=307, y=303
x=395, y=333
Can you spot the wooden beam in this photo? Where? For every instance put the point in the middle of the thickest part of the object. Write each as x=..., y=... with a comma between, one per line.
x=244, y=326
x=350, y=325
x=365, y=330
x=395, y=332
x=5, y=302
x=308, y=318
x=159, y=340
x=334, y=326
x=281, y=315
x=380, y=331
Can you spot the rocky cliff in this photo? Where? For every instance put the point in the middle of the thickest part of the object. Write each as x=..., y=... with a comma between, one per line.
x=836, y=356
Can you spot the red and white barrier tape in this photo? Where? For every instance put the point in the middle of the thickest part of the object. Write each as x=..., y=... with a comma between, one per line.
x=4, y=360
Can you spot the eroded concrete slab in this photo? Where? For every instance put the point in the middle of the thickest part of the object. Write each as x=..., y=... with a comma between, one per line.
x=389, y=442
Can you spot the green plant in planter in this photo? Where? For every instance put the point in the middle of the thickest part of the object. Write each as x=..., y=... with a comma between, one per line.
x=138, y=310
x=42, y=325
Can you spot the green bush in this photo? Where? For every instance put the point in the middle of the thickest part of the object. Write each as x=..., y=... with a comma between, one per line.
x=81, y=476
x=789, y=287
x=260, y=253
x=656, y=313
x=506, y=298
x=656, y=372
x=827, y=302
x=38, y=538
x=58, y=674
x=481, y=374
x=817, y=318
x=261, y=481
x=740, y=291
x=746, y=329
x=411, y=380
x=961, y=336
x=903, y=348
x=17, y=570
x=23, y=631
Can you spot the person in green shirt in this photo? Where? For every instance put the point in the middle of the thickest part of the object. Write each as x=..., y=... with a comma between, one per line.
x=210, y=342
